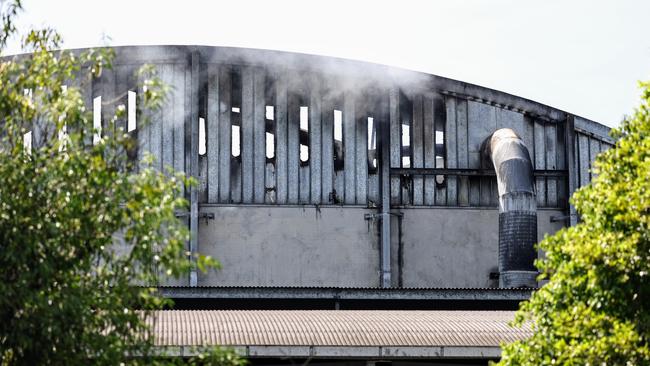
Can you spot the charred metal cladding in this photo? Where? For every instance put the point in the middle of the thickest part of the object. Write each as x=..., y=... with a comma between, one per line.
x=317, y=172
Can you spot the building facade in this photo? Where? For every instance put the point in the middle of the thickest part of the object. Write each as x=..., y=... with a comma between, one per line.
x=338, y=192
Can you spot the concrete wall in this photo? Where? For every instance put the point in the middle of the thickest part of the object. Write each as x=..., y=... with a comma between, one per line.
x=338, y=247
x=290, y=246
x=455, y=247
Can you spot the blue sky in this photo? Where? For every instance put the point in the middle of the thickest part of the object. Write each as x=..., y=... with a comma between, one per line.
x=580, y=56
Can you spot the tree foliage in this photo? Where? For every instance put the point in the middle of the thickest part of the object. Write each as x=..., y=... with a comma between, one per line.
x=80, y=222
x=595, y=309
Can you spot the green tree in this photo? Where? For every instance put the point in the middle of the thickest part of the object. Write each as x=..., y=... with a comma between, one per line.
x=67, y=295
x=595, y=309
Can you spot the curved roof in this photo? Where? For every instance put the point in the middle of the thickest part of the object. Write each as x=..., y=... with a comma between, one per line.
x=355, y=73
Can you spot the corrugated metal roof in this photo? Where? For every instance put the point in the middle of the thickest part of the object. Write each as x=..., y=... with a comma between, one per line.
x=335, y=328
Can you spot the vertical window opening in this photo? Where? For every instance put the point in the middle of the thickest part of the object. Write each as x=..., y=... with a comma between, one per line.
x=338, y=140
x=235, y=138
x=270, y=146
x=406, y=145
x=63, y=133
x=270, y=131
x=202, y=143
x=131, y=111
x=97, y=120
x=235, y=115
x=441, y=152
x=269, y=119
x=63, y=137
x=27, y=142
x=372, y=145
x=304, y=134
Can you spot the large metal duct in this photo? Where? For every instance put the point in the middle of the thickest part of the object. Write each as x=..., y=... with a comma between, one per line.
x=517, y=208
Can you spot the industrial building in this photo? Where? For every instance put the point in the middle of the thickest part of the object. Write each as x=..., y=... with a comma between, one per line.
x=362, y=214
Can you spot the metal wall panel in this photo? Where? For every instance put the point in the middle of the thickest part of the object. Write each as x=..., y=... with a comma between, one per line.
x=452, y=150
x=349, y=149
x=432, y=195
x=465, y=123
x=225, y=128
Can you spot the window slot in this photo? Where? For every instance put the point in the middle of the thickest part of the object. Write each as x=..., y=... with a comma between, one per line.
x=235, y=138
x=406, y=135
x=372, y=146
x=131, y=111
x=304, y=153
x=440, y=164
x=235, y=115
x=440, y=117
x=27, y=142
x=270, y=131
x=304, y=134
x=97, y=120
x=338, y=140
x=440, y=137
x=304, y=118
x=406, y=161
x=63, y=137
x=338, y=125
x=270, y=145
x=202, y=143
x=406, y=145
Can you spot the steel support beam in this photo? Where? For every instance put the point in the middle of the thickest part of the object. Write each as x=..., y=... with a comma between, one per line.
x=383, y=144
x=469, y=172
x=193, y=127
x=328, y=293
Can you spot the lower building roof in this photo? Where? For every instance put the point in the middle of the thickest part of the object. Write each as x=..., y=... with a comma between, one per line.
x=340, y=333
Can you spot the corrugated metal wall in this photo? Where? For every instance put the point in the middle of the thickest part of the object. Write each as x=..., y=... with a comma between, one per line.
x=276, y=135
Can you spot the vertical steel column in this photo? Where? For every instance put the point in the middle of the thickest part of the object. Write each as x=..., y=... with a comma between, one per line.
x=569, y=145
x=383, y=144
x=193, y=124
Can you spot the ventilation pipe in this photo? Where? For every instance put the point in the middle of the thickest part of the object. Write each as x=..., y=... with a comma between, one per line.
x=517, y=208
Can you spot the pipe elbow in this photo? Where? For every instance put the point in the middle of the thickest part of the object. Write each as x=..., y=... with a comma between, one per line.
x=517, y=208
x=514, y=170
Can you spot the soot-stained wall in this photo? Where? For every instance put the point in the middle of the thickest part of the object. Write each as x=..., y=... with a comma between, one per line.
x=301, y=158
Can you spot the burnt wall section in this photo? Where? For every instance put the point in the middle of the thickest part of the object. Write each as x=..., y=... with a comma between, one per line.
x=317, y=171
x=436, y=127
x=297, y=129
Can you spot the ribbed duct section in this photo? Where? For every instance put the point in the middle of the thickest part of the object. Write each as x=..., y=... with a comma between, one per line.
x=517, y=208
